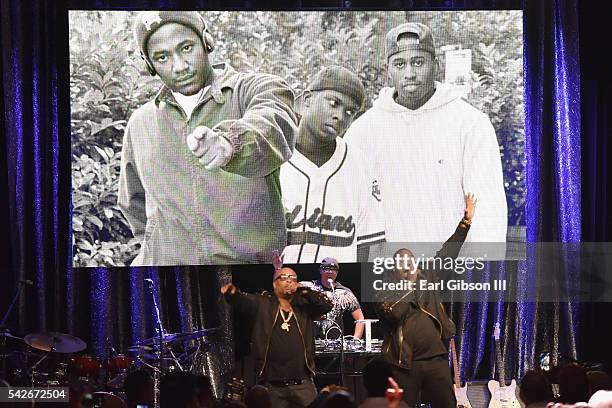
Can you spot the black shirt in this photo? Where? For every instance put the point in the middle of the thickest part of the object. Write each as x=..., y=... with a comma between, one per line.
x=286, y=353
x=422, y=332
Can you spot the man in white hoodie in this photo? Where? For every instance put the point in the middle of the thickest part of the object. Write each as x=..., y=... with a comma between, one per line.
x=430, y=147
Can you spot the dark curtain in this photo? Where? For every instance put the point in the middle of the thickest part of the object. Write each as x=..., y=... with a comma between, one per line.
x=567, y=199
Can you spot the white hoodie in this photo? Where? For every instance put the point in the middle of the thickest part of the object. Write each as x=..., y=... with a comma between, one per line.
x=427, y=160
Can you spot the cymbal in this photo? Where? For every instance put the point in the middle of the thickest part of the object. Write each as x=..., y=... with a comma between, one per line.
x=55, y=342
x=8, y=334
x=171, y=337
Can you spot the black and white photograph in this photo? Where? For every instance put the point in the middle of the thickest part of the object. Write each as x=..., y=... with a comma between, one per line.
x=218, y=137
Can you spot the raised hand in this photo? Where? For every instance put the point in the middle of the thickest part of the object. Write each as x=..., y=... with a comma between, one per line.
x=228, y=288
x=277, y=260
x=470, y=206
x=394, y=394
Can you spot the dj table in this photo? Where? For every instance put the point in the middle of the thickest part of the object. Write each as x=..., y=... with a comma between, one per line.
x=335, y=367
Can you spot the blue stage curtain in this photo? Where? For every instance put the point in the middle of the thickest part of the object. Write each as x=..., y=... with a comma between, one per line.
x=100, y=304
x=553, y=200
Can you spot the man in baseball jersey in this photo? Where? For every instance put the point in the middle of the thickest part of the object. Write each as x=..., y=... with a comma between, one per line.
x=331, y=199
x=199, y=180
x=429, y=147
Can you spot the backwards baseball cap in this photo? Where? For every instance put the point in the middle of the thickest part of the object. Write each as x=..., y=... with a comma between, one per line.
x=423, y=41
x=339, y=79
x=147, y=22
x=329, y=263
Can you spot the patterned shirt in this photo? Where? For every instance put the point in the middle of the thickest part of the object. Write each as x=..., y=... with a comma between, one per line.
x=343, y=300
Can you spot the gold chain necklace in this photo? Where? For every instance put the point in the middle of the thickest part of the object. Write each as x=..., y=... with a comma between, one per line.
x=285, y=326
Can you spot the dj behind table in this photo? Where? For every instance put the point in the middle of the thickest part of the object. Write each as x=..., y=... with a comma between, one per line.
x=343, y=338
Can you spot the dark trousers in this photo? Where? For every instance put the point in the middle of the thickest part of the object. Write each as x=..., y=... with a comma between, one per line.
x=427, y=382
x=292, y=396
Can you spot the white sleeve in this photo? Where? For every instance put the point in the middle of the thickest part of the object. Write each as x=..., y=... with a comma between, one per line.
x=482, y=175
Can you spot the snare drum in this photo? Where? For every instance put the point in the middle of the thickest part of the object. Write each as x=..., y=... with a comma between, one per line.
x=85, y=366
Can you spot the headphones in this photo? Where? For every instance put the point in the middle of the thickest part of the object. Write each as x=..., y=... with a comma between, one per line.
x=207, y=38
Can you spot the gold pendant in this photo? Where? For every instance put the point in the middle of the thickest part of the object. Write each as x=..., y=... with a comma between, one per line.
x=285, y=326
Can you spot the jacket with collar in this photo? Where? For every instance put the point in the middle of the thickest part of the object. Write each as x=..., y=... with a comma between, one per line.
x=182, y=213
x=394, y=311
x=263, y=309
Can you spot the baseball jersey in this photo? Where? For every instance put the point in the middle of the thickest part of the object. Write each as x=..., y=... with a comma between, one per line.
x=330, y=210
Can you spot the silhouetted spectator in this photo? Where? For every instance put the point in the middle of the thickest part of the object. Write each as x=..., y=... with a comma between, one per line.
x=258, y=397
x=375, y=381
x=138, y=388
x=601, y=399
x=535, y=390
x=573, y=384
x=599, y=380
x=234, y=404
x=206, y=397
x=339, y=399
x=179, y=390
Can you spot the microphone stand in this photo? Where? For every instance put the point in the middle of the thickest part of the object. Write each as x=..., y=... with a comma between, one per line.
x=336, y=303
x=4, y=331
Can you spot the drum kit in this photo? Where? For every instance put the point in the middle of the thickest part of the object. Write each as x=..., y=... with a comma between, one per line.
x=52, y=359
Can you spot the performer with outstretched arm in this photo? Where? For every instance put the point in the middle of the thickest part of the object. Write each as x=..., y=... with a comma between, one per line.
x=417, y=328
x=283, y=335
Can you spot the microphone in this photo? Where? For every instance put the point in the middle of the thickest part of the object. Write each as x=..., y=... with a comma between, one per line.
x=331, y=283
x=27, y=282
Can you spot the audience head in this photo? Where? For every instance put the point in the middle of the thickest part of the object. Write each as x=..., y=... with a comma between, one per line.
x=339, y=399
x=234, y=404
x=375, y=377
x=205, y=391
x=601, y=399
x=179, y=390
x=573, y=384
x=258, y=397
x=138, y=388
x=599, y=380
x=535, y=387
